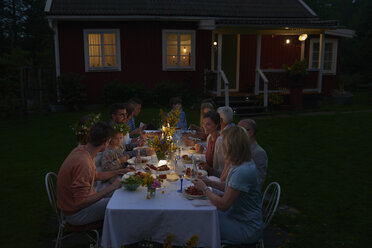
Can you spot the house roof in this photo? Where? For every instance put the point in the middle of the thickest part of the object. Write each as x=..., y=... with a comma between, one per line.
x=186, y=8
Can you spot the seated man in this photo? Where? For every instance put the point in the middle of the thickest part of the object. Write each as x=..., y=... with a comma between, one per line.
x=119, y=113
x=227, y=116
x=259, y=155
x=76, y=196
x=137, y=104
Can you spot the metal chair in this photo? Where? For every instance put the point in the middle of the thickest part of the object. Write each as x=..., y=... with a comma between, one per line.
x=270, y=202
x=50, y=184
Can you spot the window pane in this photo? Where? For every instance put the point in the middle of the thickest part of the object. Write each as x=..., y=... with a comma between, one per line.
x=110, y=60
x=185, y=50
x=327, y=65
x=95, y=62
x=172, y=50
x=328, y=47
x=185, y=60
x=327, y=56
x=95, y=59
x=172, y=60
x=94, y=39
x=110, y=50
x=171, y=39
x=109, y=39
x=185, y=39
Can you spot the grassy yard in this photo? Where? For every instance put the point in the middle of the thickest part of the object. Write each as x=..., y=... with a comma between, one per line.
x=323, y=164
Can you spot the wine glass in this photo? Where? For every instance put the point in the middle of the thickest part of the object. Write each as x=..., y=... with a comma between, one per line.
x=180, y=170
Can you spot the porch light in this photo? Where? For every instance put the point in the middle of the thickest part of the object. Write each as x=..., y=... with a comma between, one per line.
x=184, y=50
x=302, y=37
x=215, y=46
x=287, y=41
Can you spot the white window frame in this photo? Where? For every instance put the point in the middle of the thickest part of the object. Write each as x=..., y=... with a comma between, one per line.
x=86, y=50
x=334, y=53
x=178, y=67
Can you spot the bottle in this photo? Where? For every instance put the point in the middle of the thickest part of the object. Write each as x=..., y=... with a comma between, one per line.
x=194, y=169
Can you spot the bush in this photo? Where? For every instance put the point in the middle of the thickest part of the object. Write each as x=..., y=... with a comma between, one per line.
x=116, y=91
x=72, y=90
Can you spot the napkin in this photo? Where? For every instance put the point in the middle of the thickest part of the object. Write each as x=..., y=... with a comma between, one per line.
x=199, y=203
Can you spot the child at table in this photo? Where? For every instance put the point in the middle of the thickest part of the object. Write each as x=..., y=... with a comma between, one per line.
x=176, y=103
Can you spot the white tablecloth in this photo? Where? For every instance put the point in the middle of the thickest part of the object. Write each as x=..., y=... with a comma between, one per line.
x=130, y=218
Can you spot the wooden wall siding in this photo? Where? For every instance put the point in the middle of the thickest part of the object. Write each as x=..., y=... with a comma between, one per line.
x=141, y=55
x=248, y=45
x=275, y=53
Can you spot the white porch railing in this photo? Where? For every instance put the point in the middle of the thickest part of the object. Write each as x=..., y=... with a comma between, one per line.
x=266, y=88
x=221, y=74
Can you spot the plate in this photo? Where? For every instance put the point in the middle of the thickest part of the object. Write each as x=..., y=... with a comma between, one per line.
x=203, y=174
x=192, y=196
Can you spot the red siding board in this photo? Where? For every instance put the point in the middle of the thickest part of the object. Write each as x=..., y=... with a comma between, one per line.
x=141, y=55
x=248, y=45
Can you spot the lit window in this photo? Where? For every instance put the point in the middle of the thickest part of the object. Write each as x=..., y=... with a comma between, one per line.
x=330, y=55
x=178, y=50
x=102, y=50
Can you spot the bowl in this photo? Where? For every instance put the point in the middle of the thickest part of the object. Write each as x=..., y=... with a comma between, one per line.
x=131, y=187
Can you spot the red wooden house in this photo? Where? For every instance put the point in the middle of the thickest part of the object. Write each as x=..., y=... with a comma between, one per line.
x=148, y=41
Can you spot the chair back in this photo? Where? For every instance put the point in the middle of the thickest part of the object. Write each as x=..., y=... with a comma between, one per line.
x=270, y=201
x=50, y=185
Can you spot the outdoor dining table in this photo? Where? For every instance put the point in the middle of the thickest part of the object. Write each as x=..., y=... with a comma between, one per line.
x=130, y=217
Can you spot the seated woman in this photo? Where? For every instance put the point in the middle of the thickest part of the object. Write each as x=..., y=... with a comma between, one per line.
x=176, y=103
x=239, y=209
x=204, y=108
x=214, y=157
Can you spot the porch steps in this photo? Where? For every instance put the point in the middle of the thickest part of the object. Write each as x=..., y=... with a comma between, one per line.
x=243, y=106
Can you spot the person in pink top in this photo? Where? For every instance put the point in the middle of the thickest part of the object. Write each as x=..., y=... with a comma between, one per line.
x=76, y=196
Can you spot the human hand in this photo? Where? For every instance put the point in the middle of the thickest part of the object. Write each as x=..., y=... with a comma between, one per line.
x=203, y=166
x=129, y=169
x=199, y=184
x=199, y=148
x=124, y=158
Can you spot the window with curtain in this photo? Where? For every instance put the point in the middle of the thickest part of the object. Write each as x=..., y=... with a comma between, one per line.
x=330, y=55
x=102, y=49
x=178, y=50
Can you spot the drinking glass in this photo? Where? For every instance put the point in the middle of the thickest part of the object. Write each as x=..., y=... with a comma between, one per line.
x=180, y=170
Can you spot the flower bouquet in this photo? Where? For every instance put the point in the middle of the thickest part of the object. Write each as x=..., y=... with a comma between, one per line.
x=161, y=146
x=152, y=183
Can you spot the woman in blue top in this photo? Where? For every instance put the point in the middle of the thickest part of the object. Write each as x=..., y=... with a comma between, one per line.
x=239, y=209
x=176, y=103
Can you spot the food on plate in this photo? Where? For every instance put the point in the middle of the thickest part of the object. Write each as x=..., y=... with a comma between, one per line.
x=151, y=166
x=189, y=172
x=153, y=134
x=186, y=158
x=191, y=190
x=160, y=168
x=140, y=175
x=163, y=168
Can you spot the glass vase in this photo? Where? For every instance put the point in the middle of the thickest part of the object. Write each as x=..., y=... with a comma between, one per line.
x=150, y=192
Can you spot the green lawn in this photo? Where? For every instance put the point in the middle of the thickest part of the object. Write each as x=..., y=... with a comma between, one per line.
x=323, y=164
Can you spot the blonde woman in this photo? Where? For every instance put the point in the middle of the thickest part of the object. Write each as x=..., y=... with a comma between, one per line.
x=239, y=209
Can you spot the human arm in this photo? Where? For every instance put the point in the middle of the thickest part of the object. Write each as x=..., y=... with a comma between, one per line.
x=214, y=184
x=105, y=175
x=110, y=160
x=101, y=194
x=221, y=202
x=225, y=171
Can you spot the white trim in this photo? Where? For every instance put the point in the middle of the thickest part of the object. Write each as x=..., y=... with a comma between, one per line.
x=302, y=50
x=86, y=50
x=258, y=64
x=53, y=25
x=130, y=17
x=48, y=5
x=346, y=33
x=164, y=48
x=334, y=54
x=307, y=7
x=219, y=64
x=213, y=51
x=237, y=64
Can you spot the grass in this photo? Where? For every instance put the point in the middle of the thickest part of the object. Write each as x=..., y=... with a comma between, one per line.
x=323, y=164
